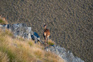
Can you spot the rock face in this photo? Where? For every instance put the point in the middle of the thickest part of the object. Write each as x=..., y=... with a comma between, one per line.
x=21, y=30
x=66, y=55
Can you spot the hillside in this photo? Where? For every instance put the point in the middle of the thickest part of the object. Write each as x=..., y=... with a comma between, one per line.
x=21, y=32
x=23, y=50
x=70, y=21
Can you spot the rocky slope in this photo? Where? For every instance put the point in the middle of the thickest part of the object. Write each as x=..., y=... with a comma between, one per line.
x=70, y=22
x=63, y=53
x=14, y=48
x=21, y=31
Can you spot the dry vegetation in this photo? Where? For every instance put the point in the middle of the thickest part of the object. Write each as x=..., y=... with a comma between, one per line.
x=19, y=50
x=50, y=42
x=70, y=21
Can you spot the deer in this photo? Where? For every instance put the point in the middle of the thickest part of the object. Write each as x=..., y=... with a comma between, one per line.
x=46, y=33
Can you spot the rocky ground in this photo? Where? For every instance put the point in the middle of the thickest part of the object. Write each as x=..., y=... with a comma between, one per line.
x=70, y=22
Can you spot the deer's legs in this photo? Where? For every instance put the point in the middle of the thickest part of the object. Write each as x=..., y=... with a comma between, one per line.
x=45, y=39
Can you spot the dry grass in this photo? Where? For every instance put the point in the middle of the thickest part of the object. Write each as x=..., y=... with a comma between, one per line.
x=16, y=50
x=3, y=57
x=50, y=42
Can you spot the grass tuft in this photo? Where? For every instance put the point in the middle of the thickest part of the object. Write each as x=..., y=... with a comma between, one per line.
x=50, y=42
x=30, y=43
x=3, y=57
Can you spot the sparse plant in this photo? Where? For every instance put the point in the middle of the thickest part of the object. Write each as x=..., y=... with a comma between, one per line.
x=50, y=42
x=30, y=43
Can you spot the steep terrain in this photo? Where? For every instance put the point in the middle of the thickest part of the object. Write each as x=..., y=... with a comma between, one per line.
x=23, y=50
x=20, y=33
x=70, y=21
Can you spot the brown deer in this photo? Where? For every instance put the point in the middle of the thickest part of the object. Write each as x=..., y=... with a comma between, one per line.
x=46, y=33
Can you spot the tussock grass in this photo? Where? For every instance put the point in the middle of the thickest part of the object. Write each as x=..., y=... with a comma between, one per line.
x=16, y=50
x=3, y=57
x=30, y=43
x=50, y=42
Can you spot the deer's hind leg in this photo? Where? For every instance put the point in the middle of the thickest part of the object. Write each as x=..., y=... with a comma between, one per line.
x=47, y=38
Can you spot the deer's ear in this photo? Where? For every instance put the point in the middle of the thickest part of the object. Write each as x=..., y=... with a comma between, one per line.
x=44, y=25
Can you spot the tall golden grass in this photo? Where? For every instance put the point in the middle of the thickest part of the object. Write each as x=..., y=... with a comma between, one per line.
x=16, y=50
